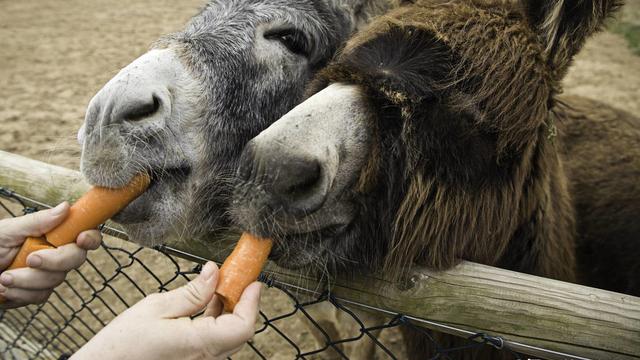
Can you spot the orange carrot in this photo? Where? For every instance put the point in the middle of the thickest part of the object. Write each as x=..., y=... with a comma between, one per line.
x=30, y=245
x=95, y=207
x=241, y=268
x=92, y=209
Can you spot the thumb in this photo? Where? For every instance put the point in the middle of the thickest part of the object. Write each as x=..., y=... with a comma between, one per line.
x=188, y=299
x=36, y=224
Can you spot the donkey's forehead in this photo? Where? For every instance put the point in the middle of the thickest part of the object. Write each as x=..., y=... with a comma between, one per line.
x=262, y=9
x=237, y=17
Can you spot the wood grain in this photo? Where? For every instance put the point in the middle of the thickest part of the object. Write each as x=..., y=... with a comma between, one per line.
x=534, y=315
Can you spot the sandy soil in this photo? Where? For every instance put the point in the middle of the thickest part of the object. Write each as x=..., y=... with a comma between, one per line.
x=607, y=71
x=56, y=54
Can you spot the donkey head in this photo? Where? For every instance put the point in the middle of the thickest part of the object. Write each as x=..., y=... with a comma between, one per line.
x=425, y=140
x=184, y=110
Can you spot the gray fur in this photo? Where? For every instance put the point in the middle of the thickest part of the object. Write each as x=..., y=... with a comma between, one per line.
x=231, y=82
x=340, y=145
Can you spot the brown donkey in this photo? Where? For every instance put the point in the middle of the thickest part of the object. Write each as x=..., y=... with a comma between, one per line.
x=438, y=134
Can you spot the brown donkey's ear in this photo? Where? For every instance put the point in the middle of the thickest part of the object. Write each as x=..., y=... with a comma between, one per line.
x=564, y=25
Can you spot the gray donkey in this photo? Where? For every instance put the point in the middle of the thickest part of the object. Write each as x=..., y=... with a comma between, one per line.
x=184, y=111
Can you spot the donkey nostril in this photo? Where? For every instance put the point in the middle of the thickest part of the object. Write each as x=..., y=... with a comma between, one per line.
x=293, y=181
x=138, y=110
x=302, y=179
x=298, y=184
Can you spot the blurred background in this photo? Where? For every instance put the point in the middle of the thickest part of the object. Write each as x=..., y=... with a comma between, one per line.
x=55, y=55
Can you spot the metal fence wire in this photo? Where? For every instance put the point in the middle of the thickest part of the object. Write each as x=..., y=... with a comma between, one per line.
x=121, y=273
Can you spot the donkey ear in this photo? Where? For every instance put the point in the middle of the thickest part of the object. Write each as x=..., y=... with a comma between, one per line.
x=564, y=25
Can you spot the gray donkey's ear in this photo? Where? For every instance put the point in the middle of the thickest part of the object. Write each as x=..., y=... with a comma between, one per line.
x=362, y=11
x=564, y=25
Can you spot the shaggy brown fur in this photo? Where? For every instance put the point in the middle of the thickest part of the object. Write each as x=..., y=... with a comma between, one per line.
x=466, y=94
x=499, y=176
x=603, y=145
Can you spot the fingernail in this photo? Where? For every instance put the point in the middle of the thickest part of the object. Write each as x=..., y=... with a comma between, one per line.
x=34, y=261
x=90, y=238
x=58, y=209
x=208, y=270
x=6, y=279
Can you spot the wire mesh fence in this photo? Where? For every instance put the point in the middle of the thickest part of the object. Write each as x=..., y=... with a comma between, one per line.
x=294, y=323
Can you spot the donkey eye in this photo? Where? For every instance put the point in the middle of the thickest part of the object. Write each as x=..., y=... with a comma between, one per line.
x=294, y=40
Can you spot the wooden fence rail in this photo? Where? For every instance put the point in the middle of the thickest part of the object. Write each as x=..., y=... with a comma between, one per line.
x=537, y=316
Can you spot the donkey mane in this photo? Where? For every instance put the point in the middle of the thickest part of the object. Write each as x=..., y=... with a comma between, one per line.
x=445, y=148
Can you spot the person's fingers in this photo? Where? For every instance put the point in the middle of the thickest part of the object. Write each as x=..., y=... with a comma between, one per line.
x=7, y=254
x=31, y=279
x=15, y=230
x=232, y=330
x=8, y=304
x=20, y=297
x=186, y=300
x=89, y=240
x=247, y=307
x=64, y=258
x=226, y=333
x=227, y=354
x=215, y=307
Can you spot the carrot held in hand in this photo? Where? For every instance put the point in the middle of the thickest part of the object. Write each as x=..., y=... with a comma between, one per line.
x=241, y=268
x=95, y=207
x=92, y=209
x=30, y=245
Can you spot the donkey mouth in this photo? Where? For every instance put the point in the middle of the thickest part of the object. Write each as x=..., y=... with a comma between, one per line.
x=165, y=182
x=295, y=247
x=297, y=251
x=266, y=222
x=301, y=250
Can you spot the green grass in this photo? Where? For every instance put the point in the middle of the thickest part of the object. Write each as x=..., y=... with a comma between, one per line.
x=627, y=25
x=631, y=32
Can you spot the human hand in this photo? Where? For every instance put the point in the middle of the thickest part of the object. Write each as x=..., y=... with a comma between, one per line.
x=159, y=327
x=47, y=268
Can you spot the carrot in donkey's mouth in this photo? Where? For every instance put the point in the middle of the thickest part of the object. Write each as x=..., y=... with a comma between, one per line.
x=94, y=208
x=241, y=268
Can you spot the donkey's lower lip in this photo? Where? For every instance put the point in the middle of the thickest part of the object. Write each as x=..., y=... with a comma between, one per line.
x=295, y=258
x=141, y=209
x=313, y=243
x=327, y=231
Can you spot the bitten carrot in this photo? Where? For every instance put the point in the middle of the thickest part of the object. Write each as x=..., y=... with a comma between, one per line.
x=241, y=268
x=30, y=245
x=94, y=208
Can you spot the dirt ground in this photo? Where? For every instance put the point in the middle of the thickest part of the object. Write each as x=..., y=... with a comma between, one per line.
x=54, y=55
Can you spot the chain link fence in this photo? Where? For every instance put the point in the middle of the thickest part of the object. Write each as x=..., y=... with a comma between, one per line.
x=294, y=323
